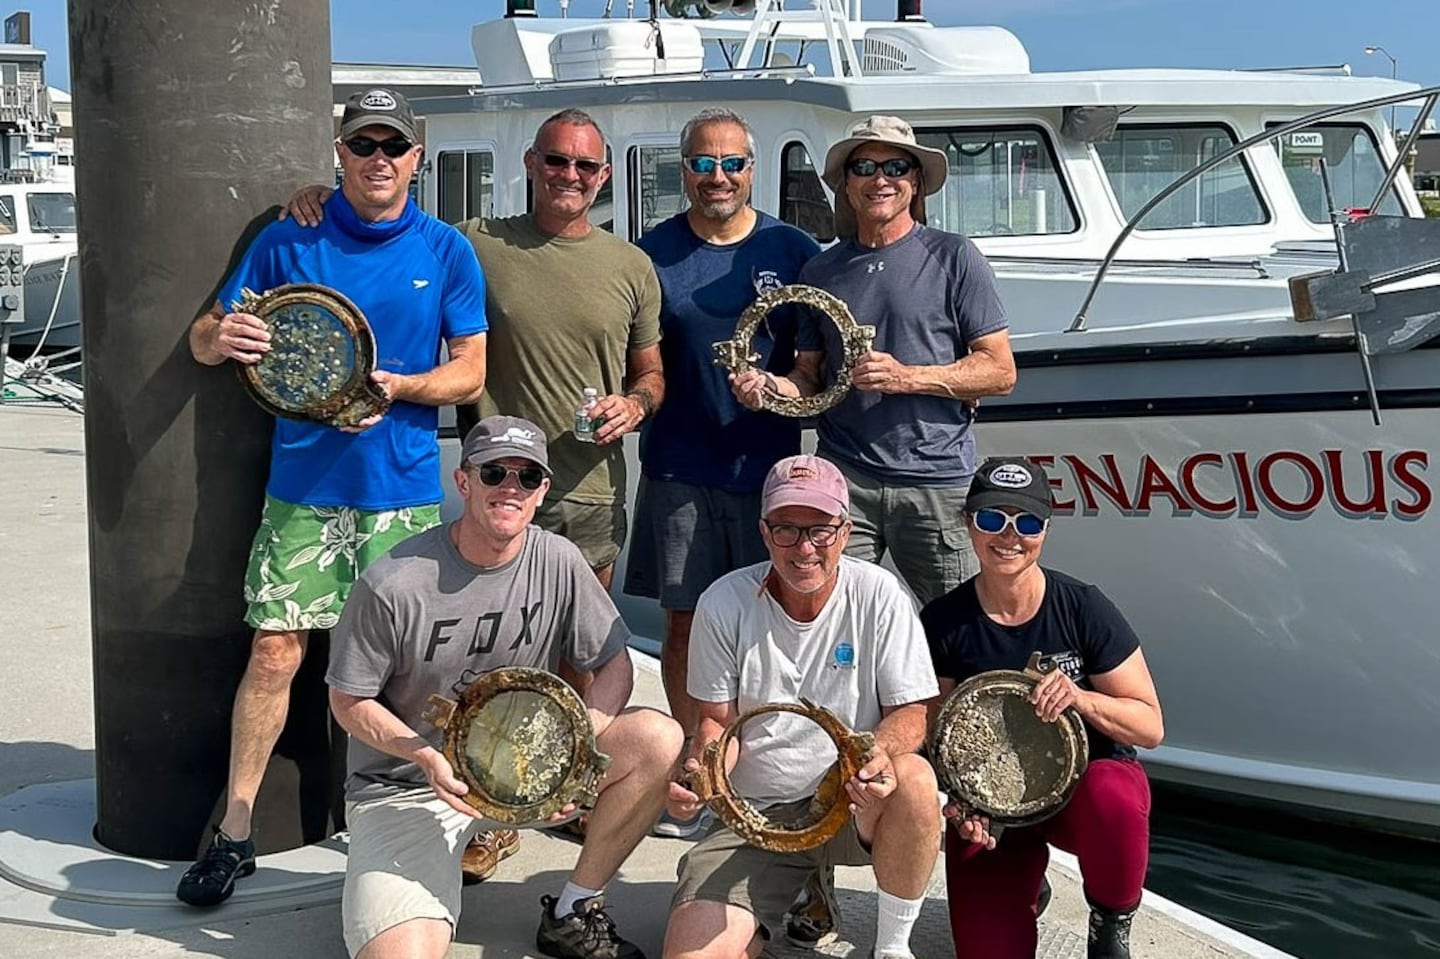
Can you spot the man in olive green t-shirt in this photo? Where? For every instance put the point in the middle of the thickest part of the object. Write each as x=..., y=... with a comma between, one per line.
x=570, y=306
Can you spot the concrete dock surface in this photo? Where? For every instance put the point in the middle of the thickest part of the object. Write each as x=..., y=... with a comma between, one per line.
x=52, y=899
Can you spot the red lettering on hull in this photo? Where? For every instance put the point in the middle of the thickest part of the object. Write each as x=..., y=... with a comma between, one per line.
x=1289, y=483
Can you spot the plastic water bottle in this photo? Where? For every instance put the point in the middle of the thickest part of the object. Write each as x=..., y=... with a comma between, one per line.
x=586, y=423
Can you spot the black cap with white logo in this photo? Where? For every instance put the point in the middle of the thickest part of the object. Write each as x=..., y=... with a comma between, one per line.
x=1012, y=481
x=378, y=107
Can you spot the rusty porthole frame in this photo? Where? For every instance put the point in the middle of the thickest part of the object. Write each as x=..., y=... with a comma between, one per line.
x=830, y=807
x=738, y=355
x=357, y=399
x=1020, y=683
x=587, y=764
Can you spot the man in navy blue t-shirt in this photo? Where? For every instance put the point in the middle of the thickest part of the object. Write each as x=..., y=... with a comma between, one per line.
x=704, y=456
x=340, y=498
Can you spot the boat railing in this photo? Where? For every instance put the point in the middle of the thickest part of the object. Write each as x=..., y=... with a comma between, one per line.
x=1428, y=94
x=790, y=73
x=1388, y=255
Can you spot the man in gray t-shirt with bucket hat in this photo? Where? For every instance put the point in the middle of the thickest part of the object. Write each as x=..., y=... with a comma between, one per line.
x=903, y=435
x=486, y=591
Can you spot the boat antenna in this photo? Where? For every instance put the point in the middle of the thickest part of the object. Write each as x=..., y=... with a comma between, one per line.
x=655, y=28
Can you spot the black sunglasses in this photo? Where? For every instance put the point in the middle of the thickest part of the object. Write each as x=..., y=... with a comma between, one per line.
x=583, y=166
x=529, y=477
x=893, y=167
x=702, y=165
x=820, y=535
x=394, y=148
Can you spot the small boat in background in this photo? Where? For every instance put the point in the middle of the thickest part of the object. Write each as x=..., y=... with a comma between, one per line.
x=40, y=219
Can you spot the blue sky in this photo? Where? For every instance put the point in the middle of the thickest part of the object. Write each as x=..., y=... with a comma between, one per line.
x=1060, y=34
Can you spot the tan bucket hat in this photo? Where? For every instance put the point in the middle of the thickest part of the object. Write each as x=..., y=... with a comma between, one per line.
x=934, y=165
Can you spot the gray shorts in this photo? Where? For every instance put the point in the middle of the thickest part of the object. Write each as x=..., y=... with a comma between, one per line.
x=686, y=537
x=403, y=863
x=922, y=527
x=722, y=867
x=597, y=528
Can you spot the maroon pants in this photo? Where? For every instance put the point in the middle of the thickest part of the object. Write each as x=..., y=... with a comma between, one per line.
x=1106, y=826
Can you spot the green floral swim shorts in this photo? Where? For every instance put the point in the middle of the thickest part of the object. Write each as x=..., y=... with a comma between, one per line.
x=305, y=559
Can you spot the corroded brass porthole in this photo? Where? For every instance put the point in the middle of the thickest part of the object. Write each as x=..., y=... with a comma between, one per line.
x=737, y=354
x=829, y=808
x=995, y=755
x=322, y=352
x=521, y=739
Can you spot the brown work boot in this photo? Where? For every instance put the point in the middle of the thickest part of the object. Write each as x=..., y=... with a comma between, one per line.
x=482, y=856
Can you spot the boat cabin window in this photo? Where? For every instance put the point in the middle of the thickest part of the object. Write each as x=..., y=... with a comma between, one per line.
x=656, y=191
x=466, y=185
x=1143, y=159
x=7, y=214
x=1002, y=181
x=51, y=212
x=803, y=201
x=1355, y=165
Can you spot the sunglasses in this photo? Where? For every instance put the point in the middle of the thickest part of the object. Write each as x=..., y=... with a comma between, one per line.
x=785, y=535
x=994, y=521
x=529, y=477
x=703, y=165
x=394, y=148
x=559, y=161
x=893, y=168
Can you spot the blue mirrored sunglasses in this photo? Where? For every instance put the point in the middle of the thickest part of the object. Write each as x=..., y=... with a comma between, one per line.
x=994, y=521
x=703, y=165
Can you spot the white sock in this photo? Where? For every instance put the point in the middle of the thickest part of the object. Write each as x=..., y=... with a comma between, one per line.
x=572, y=894
x=894, y=920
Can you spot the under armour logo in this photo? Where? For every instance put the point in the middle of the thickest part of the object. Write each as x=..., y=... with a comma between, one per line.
x=420, y=284
x=876, y=267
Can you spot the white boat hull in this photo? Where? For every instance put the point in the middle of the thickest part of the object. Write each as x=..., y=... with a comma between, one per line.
x=1278, y=568
x=50, y=324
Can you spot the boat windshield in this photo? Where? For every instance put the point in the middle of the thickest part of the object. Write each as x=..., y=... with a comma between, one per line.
x=51, y=212
x=1002, y=181
x=1355, y=166
x=1143, y=159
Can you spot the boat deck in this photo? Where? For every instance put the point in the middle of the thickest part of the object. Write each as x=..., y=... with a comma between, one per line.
x=68, y=902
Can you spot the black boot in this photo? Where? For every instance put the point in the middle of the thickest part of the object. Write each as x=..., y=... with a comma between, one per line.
x=1109, y=933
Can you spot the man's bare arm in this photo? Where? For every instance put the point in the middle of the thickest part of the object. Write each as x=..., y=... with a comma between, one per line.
x=218, y=336
x=644, y=392
x=988, y=370
x=460, y=379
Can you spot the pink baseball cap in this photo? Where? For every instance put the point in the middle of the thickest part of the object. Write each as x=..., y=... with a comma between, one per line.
x=806, y=480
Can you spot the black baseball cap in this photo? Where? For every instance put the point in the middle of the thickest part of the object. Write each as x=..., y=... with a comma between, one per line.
x=377, y=107
x=1010, y=481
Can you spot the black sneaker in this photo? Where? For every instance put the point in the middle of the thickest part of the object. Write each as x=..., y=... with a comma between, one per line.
x=587, y=933
x=211, y=880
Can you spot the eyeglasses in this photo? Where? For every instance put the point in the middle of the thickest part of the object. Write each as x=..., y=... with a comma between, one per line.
x=702, y=165
x=583, y=166
x=785, y=535
x=994, y=521
x=529, y=477
x=894, y=167
x=394, y=148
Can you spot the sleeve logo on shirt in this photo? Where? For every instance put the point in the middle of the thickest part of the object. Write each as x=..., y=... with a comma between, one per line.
x=766, y=280
x=420, y=284
x=844, y=657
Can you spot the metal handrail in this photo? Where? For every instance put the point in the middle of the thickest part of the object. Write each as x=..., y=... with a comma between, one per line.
x=1430, y=94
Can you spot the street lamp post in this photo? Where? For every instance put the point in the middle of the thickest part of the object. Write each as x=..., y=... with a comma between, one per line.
x=1394, y=72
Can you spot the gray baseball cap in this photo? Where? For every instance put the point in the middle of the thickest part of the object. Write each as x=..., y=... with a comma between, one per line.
x=496, y=437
